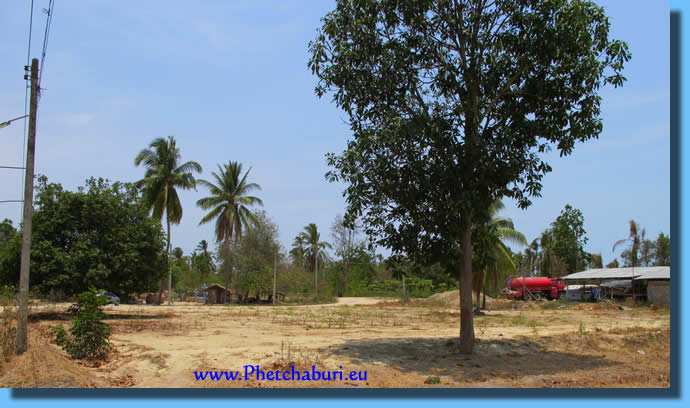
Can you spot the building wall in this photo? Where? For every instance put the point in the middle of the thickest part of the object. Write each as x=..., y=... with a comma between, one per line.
x=659, y=292
x=214, y=296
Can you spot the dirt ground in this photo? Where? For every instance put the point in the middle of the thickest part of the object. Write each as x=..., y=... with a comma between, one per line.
x=519, y=344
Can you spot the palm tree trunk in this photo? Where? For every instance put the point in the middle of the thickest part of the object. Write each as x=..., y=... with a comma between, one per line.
x=478, y=289
x=169, y=268
x=316, y=274
x=228, y=271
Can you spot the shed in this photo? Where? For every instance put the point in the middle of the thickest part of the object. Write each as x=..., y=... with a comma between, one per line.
x=638, y=281
x=579, y=292
x=658, y=285
x=214, y=294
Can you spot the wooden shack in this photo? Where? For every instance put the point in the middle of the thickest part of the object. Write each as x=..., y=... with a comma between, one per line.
x=214, y=294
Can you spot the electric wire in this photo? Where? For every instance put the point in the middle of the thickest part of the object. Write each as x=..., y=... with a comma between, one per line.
x=46, y=35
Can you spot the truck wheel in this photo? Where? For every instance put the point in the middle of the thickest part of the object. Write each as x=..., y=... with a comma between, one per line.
x=537, y=297
x=561, y=296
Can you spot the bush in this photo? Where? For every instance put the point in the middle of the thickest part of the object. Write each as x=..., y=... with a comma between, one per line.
x=88, y=337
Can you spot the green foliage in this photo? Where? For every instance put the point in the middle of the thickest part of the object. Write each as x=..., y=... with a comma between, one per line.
x=433, y=379
x=254, y=256
x=595, y=261
x=203, y=260
x=99, y=236
x=450, y=109
x=441, y=275
x=190, y=272
x=492, y=261
x=643, y=252
x=228, y=202
x=568, y=238
x=650, y=253
x=88, y=338
x=662, y=250
x=560, y=248
x=7, y=232
x=350, y=248
x=228, y=205
x=613, y=264
x=164, y=174
x=312, y=247
x=10, y=252
x=295, y=280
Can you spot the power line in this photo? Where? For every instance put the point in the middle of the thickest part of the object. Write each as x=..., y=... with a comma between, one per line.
x=49, y=20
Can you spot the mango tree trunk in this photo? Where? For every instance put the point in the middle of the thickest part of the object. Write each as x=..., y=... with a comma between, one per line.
x=466, y=326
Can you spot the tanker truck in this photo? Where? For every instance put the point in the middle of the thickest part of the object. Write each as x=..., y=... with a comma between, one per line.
x=535, y=288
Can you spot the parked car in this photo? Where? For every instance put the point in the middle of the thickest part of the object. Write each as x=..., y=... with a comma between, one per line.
x=111, y=298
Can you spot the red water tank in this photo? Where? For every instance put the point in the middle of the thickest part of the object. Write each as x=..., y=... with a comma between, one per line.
x=532, y=284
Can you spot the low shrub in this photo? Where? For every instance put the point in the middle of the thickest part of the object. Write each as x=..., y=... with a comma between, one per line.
x=88, y=338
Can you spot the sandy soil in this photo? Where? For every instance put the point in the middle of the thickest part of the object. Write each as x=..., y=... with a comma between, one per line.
x=399, y=345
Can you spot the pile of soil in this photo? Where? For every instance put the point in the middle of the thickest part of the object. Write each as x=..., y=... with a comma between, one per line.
x=451, y=299
x=45, y=366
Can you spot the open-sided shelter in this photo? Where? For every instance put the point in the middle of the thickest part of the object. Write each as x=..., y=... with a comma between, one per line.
x=628, y=281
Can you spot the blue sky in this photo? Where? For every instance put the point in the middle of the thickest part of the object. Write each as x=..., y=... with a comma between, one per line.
x=229, y=80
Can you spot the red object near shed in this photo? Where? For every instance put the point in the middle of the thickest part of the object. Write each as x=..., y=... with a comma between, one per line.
x=538, y=287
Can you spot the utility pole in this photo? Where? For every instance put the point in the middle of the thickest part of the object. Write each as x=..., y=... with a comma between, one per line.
x=275, y=263
x=316, y=273
x=403, y=282
x=23, y=313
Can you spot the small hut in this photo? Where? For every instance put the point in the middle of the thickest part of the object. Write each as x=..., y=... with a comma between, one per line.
x=214, y=294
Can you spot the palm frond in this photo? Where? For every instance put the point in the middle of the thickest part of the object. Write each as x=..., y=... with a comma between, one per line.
x=212, y=214
x=174, y=207
x=512, y=236
x=620, y=241
x=189, y=168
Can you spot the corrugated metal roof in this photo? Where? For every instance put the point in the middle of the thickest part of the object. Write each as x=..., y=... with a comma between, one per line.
x=622, y=273
x=617, y=283
x=664, y=272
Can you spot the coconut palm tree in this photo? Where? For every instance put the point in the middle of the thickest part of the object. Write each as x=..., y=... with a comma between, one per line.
x=297, y=252
x=314, y=251
x=164, y=174
x=530, y=259
x=635, y=237
x=228, y=205
x=550, y=264
x=205, y=259
x=497, y=261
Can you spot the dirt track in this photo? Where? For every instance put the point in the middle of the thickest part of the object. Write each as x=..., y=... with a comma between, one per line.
x=520, y=345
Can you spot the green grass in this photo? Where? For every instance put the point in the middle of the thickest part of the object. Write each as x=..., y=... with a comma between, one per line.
x=522, y=320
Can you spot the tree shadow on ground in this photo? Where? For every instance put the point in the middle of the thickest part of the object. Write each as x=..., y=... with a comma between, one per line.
x=508, y=360
x=52, y=315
